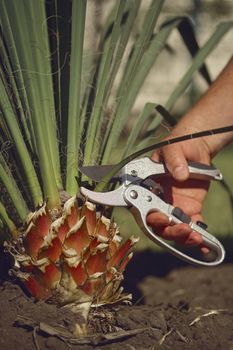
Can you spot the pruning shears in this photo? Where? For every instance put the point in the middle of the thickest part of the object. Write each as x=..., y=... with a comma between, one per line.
x=141, y=194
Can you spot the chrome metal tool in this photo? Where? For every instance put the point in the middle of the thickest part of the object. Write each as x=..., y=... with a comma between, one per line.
x=143, y=196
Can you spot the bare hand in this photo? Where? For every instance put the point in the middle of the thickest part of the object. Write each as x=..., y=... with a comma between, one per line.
x=182, y=192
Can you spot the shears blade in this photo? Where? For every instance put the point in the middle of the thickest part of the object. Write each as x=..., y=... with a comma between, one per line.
x=113, y=198
x=97, y=172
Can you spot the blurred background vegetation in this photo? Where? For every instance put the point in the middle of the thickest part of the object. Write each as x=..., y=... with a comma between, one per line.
x=168, y=69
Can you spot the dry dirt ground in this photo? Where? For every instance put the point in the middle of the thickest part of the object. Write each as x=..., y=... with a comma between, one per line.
x=174, y=307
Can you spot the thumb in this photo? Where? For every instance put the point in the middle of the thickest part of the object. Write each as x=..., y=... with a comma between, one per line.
x=175, y=162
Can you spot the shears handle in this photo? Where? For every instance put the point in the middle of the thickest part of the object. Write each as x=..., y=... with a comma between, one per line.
x=144, y=202
x=146, y=167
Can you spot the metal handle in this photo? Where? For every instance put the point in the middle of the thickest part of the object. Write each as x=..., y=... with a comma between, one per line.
x=144, y=167
x=201, y=171
x=145, y=202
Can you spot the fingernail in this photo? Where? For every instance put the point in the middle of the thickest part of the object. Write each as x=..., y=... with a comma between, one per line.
x=181, y=173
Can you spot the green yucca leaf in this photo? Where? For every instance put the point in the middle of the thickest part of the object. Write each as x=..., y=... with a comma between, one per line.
x=128, y=88
x=10, y=121
x=100, y=94
x=74, y=111
x=59, y=15
x=11, y=66
x=34, y=63
x=197, y=62
x=14, y=89
x=40, y=62
x=147, y=112
x=127, y=25
x=13, y=190
x=125, y=104
x=9, y=223
x=140, y=45
x=106, y=48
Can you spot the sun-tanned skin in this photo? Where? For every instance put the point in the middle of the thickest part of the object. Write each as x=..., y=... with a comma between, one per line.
x=213, y=110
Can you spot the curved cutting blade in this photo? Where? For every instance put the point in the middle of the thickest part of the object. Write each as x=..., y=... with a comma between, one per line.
x=97, y=172
x=112, y=198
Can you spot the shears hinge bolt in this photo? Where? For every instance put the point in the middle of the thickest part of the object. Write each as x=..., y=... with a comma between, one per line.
x=148, y=198
x=133, y=194
x=134, y=173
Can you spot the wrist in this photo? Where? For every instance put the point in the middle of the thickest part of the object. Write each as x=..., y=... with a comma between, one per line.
x=216, y=143
x=194, y=122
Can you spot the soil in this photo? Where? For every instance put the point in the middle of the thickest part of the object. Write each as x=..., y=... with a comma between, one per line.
x=175, y=306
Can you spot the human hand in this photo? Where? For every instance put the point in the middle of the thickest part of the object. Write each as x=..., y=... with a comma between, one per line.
x=180, y=191
x=214, y=109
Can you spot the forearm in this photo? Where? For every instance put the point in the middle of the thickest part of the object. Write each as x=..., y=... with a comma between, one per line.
x=213, y=110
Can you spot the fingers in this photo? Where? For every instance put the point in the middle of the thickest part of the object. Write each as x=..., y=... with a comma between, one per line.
x=157, y=219
x=175, y=160
x=205, y=250
x=180, y=233
x=188, y=195
x=155, y=156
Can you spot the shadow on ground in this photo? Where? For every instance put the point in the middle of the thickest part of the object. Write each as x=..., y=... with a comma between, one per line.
x=158, y=264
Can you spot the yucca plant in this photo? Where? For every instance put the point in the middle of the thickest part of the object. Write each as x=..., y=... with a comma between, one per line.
x=59, y=112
